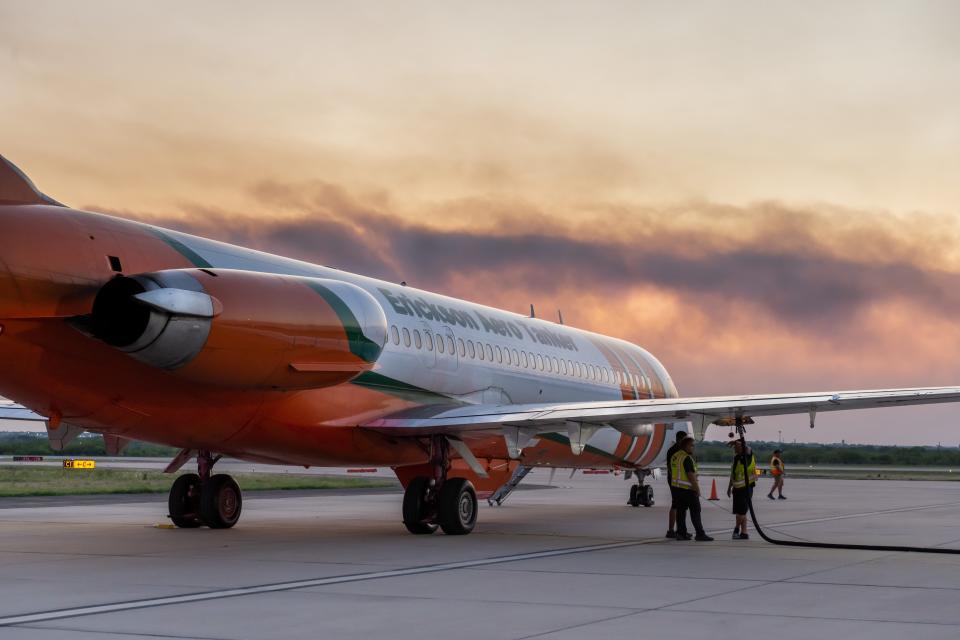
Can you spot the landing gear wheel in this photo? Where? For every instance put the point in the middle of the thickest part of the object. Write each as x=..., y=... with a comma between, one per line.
x=634, y=500
x=415, y=507
x=646, y=495
x=184, y=501
x=457, y=507
x=220, y=502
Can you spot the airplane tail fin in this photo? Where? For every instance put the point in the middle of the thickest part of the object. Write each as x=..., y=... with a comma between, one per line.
x=17, y=188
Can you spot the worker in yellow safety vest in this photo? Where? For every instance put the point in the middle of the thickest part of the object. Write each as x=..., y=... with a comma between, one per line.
x=741, y=487
x=777, y=470
x=672, y=516
x=683, y=478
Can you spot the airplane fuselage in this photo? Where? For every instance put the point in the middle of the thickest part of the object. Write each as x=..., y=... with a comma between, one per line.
x=438, y=350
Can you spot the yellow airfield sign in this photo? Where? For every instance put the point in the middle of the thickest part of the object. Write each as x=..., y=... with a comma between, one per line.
x=79, y=464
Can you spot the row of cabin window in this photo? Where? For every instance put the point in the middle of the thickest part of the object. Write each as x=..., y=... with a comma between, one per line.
x=515, y=357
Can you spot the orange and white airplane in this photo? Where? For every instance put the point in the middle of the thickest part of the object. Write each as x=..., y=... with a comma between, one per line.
x=137, y=332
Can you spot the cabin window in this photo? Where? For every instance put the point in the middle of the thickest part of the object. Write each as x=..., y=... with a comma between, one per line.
x=539, y=362
x=115, y=263
x=473, y=354
x=395, y=334
x=440, y=346
x=450, y=345
x=516, y=358
x=523, y=358
x=563, y=367
x=499, y=355
x=480, y=351
x=406, y=337
x=417, y=340
x=549, y=366
x=590, y=372
x=489, y=352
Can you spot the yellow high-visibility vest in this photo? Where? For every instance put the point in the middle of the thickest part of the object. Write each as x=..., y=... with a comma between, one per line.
x=736, y=472
x=678, y=474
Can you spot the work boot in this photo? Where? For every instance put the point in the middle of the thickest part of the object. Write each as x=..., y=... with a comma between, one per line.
x=684, y=536
x=702, y=537
x=744, y=536
x=782, y=497
x=770, y=495
x=736, y=535
x=670, y=534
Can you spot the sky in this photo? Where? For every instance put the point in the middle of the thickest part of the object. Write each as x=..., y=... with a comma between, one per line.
x=763, y=194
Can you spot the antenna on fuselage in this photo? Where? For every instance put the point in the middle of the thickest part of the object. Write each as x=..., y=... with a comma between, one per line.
x=560, y=315
x=533, y=314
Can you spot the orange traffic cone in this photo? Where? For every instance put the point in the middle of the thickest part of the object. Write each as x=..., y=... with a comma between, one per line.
x=713, y=491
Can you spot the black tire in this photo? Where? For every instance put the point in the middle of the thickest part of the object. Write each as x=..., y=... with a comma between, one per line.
x=415, y=507
x=634, y=500
x=646, y=496
x=457, y=508
x=184, y=501
x=220, y=502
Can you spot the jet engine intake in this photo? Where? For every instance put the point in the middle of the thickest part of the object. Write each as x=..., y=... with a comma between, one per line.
x=243, y=328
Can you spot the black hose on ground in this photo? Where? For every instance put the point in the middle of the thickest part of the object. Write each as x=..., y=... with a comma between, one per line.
x=820, y=545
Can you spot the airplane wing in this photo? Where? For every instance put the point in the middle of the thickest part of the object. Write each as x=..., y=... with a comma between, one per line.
x=522, y=421
x=12, y=411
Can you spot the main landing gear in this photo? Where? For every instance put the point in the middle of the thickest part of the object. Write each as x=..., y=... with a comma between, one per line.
x=198, y=499
x=436, y=500
x=641, y=495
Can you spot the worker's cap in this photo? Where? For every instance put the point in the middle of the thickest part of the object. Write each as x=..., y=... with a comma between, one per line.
x=686, y=440
x=681, y=435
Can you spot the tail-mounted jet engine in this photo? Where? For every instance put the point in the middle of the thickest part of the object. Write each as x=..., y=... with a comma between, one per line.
x=243, y=328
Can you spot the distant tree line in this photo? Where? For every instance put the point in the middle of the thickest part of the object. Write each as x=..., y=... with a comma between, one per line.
x=13, y=444
x=810, y=453
x=88, y=444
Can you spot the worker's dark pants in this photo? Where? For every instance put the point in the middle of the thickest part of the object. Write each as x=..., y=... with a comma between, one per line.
x=689, y=501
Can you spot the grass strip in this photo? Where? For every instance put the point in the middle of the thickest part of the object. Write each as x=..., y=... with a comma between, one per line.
x=56, y=481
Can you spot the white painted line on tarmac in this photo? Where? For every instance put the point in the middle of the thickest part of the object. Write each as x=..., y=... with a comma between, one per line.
x=44, y=616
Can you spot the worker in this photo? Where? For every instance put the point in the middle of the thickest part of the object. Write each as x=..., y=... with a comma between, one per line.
x=683, y=476
x=777, y=469
x=672, y=518
x=742, y=481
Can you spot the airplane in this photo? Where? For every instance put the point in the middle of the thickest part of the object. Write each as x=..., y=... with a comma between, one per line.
x=132, y=331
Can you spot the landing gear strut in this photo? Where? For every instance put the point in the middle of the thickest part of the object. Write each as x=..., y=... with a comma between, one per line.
x=641, y=495
x=203, y=499
x=435, y=500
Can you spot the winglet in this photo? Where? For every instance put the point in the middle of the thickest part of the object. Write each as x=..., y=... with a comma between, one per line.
x=17, y=188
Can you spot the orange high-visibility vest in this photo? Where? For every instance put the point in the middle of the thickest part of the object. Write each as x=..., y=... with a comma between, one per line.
x=776, y=466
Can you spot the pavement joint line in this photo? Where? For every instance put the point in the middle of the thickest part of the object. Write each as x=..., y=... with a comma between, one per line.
x=802, y=617
x=100, y=632
x=143, y=603
x=579, y=625
x=300, y=584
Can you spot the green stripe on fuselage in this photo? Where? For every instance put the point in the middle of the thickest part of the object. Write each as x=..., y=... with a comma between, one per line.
x=360, y=345
x=400, y=389
x=195, y=258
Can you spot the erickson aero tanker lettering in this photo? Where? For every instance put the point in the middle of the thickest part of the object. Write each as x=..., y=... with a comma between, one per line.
x=136, y=332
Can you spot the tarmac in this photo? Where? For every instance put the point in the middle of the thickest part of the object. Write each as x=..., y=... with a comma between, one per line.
x=571, y=561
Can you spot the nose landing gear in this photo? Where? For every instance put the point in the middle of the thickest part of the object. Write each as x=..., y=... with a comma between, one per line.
x=198, y=499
